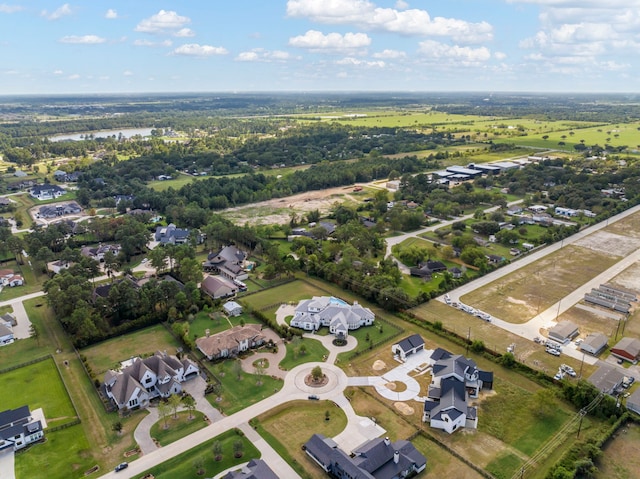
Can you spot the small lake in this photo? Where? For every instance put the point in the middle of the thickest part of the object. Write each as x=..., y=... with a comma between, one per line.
x=126, y=133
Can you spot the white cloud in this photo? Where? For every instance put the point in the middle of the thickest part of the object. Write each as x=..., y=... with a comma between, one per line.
x=499, y=55
x=111, y=14
x=83, y=39
x=165, y=22
x=390, y=54
x=127, y=73
x=58, y=13
x=366, y=14
x=149, y=43
x=196, y=50
x=75, y=76
x=184, y=32
x=401, y=5
x=4, y=8
x=357, y=62
x=262, y=55
x=58, y=72
x=455, y=53
x=318, y=41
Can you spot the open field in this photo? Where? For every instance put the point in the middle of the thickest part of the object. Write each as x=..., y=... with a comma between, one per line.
x=519, y=296
x=292, y=424
x=38, y=385
x=441, y=463
x=108, y=354
x=620, y=134
x=182, y=466
x=621, y=459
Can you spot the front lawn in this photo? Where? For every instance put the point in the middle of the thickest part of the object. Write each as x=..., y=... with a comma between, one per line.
x=38, y=385
x=64, y=454
x=108, y=354
x=291, y=292
x=183, y=465
x=177, y=428
x=292, y=424
x=313, y=351
x=240, y=390
x=219, y=322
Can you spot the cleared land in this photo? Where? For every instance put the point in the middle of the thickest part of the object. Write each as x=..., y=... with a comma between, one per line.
x=519, y=296
x=621, y=459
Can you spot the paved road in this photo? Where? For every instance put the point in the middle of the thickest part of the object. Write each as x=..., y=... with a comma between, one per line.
x=7, y=469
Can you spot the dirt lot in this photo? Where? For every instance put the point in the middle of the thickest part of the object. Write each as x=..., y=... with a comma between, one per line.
x=278, y=210
x=621, y=459
x=610, y=243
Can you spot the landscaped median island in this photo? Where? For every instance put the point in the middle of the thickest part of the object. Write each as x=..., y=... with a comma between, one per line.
x=207, y=459
x=171, y=428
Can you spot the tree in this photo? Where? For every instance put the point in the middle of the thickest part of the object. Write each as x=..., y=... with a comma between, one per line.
x=238, y=448
x=158, y=258
x=164, y=409
x=117, y=427
x=174, y=402
x=543, y=403
x=237, y=369
x=316, y=373
x=190, y=403
x=217, y=450
x=259, y=371
x=198, y=464
x=34, y=332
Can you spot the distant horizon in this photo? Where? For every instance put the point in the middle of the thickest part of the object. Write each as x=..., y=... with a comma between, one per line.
x=55, y=48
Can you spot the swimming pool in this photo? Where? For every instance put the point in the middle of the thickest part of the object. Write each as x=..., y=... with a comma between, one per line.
x=334, y=300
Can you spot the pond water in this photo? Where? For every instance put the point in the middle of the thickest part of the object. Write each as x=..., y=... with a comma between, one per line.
x=126, y=133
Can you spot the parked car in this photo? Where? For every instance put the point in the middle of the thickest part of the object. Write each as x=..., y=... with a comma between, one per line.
x=552, y=351
x=537, y=340
x=313, y=397
x=447, y=299
x=121, y=466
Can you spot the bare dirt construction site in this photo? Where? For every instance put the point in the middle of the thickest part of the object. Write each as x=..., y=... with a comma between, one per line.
x=278, y=211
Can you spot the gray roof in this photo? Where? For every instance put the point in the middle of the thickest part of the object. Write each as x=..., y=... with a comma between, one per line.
x=411, y=342
x=13, y=415
x=595, y=341
x=633, y=401
x=255, y=469
x=629, y=345
x=606, y=378
x=564, y=329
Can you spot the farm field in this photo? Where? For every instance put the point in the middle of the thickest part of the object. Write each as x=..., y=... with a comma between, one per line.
x=108, y=354
x=292, y=424
x=620, y=134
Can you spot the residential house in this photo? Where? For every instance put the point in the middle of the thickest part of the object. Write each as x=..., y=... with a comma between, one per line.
x=9, y=278
x=607, y=379
x=63, y=176
x=218, y=287
x=340, y=317
x=6, y=333
x=97, y=252
x=18, y=428
x=54, y=211
x=232, y=309
x=456, y=272
x=228, y=262
x=231, y=342
x=8, y=318
x=254, y=469
x=171, y=235
x=454, y=380
x=141, y=380
x=633, y=401
x=4, y=201
x=594, y=344
x=563, y=331
x=627, y=349
x=376, y=459
x=46, y=192
x=427, y=268
x=56, y=266
x=568, y=212
x=407, y=347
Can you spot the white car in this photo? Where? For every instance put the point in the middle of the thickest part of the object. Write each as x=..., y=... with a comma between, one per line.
x=447, y=299
x=553, y=352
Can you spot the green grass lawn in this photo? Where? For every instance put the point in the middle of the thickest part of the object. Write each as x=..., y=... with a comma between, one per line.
x=38, y=385
x=241, y=391
x=182, y=466
x=221, y=322
x=292, y=424
x=177, y=428
x=315, y=352
x=64, y=454
x=33, y=281
x=290, y=292
x=108, y=354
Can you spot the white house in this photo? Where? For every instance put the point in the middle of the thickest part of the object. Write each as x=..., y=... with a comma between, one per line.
x=339, y=316
x=18, y=428
x=141, y=380
x=407, y=347
x=9, y=278
x=6, y=334
x=454, y=380
x=47, y=192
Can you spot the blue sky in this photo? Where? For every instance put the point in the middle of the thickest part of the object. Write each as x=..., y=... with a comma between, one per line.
x=113, y=46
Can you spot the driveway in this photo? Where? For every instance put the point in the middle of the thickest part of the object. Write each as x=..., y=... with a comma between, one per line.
x=327, y=342
x=7, y=465
x=272, y=358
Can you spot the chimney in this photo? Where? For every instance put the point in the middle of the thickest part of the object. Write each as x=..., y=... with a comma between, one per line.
x=207, y=333
x=387, y=442
x=396, y=457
